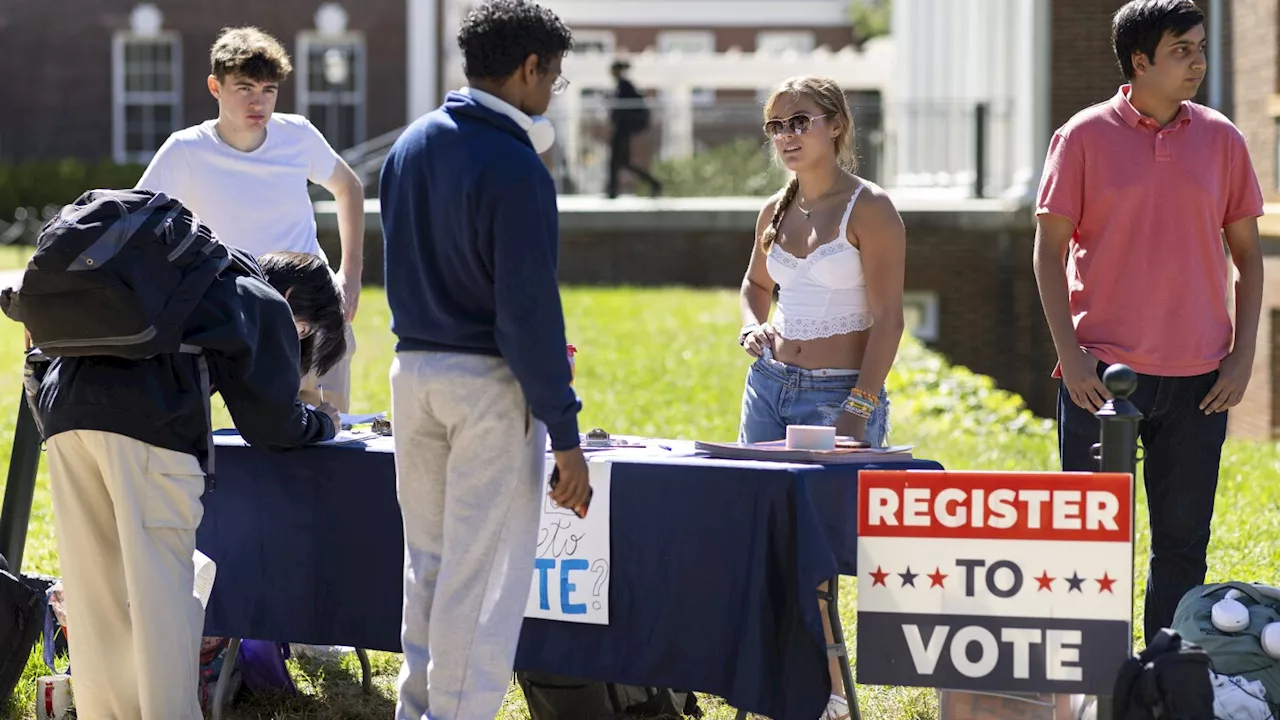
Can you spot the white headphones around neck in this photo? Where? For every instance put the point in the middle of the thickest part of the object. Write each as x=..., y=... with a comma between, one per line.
x=542, y=134
x=1229, y=615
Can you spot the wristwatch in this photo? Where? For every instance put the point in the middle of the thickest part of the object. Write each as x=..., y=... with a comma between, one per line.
x=747, y=330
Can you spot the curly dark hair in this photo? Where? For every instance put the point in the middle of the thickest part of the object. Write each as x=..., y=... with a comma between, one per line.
x=251, y=53
x=499, y=35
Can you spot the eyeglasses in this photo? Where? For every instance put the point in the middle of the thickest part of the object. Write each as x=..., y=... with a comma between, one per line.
x=794, y=125
x=559, y=85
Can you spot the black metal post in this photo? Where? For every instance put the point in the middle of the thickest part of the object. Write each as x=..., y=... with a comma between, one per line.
x=20, y=487
x=1117, y=450
x=980, y=112
x=1119, y=418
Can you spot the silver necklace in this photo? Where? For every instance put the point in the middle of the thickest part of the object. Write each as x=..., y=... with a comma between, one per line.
x=806, y=213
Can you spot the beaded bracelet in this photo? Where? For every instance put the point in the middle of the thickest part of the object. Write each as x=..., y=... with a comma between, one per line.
x=858, y=406
x=865, y=395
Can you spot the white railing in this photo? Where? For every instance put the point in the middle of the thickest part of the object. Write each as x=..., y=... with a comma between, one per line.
x=681, y=80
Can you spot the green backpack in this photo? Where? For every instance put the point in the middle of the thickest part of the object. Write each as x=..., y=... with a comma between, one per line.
x=1239, y=653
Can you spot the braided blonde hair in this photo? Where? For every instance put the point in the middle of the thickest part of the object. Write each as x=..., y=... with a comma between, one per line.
x=827, y=95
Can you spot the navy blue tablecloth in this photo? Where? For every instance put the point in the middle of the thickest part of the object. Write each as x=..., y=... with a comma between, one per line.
x=712, y=578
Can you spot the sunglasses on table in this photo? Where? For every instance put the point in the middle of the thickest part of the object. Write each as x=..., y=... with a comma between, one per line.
x=794, y=125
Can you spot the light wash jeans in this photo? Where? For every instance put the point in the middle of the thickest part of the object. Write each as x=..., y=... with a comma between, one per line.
x=778, y=395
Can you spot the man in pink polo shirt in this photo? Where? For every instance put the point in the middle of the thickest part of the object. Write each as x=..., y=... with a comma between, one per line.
x=1137, y=195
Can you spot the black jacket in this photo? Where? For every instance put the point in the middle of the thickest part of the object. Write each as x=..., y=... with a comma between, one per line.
x=251, y=346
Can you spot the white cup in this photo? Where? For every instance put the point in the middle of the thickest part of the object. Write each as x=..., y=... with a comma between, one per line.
x=811, y=437
x=53, y=697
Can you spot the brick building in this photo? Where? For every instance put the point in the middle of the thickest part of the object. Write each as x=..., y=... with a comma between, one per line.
x=1255, y=36
x=111, y=78
x=98, y=79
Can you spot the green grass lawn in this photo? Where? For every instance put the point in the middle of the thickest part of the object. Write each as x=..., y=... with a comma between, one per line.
x=663, y=362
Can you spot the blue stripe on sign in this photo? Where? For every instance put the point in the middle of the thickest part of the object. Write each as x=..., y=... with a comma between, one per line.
x=968, y=652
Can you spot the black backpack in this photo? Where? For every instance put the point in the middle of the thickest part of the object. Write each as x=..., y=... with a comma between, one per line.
x=118, y=273
x=1168, y=680
x=560, y=697
x=22, y=606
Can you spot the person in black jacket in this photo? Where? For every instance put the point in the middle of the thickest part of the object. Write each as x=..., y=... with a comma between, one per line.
x=126, y=442
x=630, y=117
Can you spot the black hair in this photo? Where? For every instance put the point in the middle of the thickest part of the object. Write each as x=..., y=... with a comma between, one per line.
x=1139, y=26
x=314, y=298
x=499, y=35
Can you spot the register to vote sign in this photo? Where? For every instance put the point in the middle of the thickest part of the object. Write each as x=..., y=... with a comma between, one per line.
x=571, y=565
x=1013, y=582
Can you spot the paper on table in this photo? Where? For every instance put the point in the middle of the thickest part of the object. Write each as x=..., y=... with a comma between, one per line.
x=349, y=420
x=350, y=436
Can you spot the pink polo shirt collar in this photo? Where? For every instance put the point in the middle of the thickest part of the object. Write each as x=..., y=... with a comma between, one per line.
x=1120, y=102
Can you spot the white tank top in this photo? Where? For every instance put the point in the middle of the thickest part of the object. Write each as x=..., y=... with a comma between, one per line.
x=824, y=293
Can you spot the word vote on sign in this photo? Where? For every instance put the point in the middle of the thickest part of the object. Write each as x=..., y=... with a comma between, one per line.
x=1013, y=582
x=570, y=579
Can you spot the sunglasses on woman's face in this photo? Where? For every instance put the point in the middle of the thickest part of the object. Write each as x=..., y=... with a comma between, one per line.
x=794, y=125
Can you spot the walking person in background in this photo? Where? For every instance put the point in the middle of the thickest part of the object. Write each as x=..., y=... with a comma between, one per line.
x=481, y=374
x=629, y=117
x=245, y=173
x=836, y=247
x=1137, y=194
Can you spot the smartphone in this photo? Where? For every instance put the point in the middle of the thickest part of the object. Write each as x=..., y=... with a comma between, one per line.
x=555, y=480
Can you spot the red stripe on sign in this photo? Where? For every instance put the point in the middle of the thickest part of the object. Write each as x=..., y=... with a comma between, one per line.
x=48, y=699
x=995, y=505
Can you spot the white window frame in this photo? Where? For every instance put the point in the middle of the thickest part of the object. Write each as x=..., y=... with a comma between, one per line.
x=121, y=99
x=606, y=39
x=801, y=41
x=927, y=303
x=667, y=39
x=358, y=97
x=705, y=39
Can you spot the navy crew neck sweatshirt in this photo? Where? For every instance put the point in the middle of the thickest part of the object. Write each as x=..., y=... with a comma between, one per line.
x=471, y=245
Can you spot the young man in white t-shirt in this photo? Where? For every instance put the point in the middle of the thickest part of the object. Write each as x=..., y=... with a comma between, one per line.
x=245, y=174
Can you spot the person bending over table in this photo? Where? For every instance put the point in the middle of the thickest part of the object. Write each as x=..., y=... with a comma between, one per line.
x=835, y=246
x=307, y=284
x=128, y=447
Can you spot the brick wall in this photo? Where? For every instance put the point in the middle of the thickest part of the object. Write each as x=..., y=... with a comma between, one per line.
x=1084, y=66
x=1257, y=416
x=1254, y=81
x=1273, y=347
x=60, y=103
x=1254, y=39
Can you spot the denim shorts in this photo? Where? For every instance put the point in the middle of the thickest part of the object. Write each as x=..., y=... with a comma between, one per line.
x=778, y=395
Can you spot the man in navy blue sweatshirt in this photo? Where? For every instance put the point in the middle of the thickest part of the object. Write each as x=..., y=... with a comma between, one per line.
x=481, y=374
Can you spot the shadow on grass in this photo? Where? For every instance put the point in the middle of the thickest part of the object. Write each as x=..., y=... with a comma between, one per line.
x=328, y=689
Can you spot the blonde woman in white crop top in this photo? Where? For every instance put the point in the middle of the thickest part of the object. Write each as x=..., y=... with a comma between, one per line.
x=834, y=245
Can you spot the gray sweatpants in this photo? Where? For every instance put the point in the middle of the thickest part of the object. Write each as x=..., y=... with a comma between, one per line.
x=469, y=469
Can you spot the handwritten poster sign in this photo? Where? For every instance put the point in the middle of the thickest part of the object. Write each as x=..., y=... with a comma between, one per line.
x=571, y=567
x=1001, y=582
